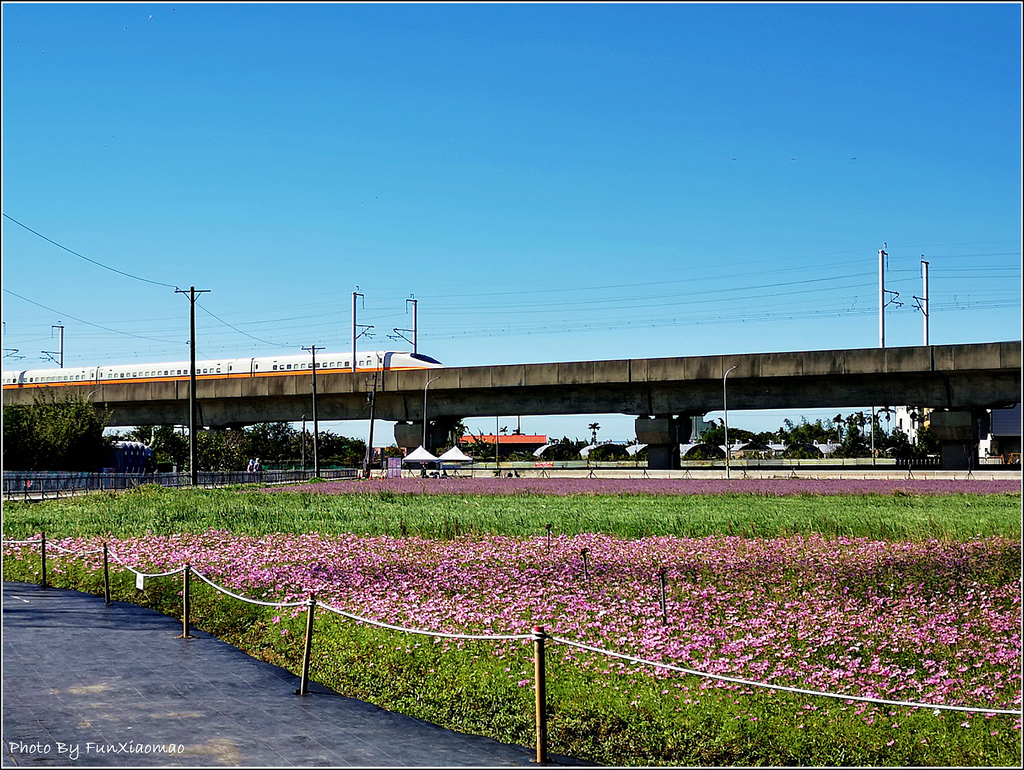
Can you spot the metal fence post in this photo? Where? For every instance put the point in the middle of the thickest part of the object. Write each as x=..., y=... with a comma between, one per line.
x=43, y=555
x=664, y=608
x=540, y=688
x=185, y=605
x=307, y=652
x=106, y=577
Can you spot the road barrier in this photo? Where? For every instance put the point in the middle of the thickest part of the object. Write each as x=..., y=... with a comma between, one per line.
x=538, y=637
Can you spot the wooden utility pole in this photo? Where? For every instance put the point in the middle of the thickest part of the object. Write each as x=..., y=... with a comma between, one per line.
x=192, y=416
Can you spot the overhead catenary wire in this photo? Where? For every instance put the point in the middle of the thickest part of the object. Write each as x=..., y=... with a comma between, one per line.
x=79, y=320
x=547, y=309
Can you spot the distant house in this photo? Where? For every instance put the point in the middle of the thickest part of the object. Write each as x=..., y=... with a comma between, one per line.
x=507, y=444
x=1004, y=438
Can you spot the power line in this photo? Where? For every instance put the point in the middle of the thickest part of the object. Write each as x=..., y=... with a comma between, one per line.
x=82, y=321
x=235, y=328
x=87, y=259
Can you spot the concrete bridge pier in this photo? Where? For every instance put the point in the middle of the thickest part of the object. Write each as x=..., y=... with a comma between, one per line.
x=663, y=434
x=958, y=433
x=409, y=435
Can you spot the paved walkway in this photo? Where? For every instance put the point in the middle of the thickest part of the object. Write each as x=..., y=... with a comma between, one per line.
x=89, y=685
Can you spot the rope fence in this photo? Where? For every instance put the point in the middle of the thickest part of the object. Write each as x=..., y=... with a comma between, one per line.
x=538, y=637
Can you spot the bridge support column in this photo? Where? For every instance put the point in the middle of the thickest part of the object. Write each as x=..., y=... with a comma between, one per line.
x=663, y=435
x=409, y=435
x=958, y=433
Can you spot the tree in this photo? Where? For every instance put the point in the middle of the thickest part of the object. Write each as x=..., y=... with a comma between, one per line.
x=564, y=449
x=55, y=435
x=341, y=450
x=593, y=428
x=809, y=432
x=716, y=436
x=854, y=443
x=170, y=447
x=273, y=442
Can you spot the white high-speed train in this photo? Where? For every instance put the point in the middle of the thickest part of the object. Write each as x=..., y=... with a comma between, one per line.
x=267, y=366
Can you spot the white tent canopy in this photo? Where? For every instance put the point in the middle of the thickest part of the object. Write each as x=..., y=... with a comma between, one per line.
x=419, y=455
x=455, y=455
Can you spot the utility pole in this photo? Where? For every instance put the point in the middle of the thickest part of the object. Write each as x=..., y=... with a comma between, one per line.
x=372, y=398
x=414, y=337
x=60, y=351
x=398, y=332
x=355, y=328
x=882, y=291
x=922, y=302
x=354, y=335
x=881, y=296
x=316, y=438
x=192, y=417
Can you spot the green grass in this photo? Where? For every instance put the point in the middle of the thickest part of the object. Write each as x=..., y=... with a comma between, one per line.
x=621, y=719
x=166, y=511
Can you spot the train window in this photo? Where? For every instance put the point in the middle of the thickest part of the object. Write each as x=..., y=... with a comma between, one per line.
x=428, y=359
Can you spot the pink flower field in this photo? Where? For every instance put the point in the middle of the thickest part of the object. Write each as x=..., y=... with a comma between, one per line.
x=937, y=622
x=597, y=486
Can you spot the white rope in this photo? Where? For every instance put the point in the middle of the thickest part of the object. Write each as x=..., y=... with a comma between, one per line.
x=513, y=637
x=145, y=574
x=72, y=550
x=50, y=544
x=782, y=688
x=223, y=590
x=424, y=632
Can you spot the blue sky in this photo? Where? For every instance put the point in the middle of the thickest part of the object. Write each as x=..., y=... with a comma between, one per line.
x=550, y=182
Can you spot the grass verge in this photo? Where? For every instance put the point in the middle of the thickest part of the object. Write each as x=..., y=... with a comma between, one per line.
x=613, y=719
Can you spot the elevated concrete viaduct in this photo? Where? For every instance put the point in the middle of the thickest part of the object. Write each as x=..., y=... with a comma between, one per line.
x=661, y=392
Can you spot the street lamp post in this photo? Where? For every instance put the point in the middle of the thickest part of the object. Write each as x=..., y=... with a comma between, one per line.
x=425, y=410
x=725, y=407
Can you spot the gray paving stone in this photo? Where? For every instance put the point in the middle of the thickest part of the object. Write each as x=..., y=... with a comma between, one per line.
x=86, y=685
